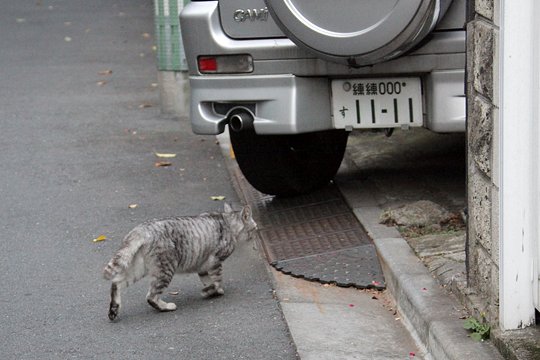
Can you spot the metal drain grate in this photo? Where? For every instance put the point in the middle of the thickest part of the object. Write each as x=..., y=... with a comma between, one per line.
x=315, y=236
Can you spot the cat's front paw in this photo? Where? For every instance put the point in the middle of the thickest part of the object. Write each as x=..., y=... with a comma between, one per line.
x=212, y=291
x=161, y=305
x=169, y=307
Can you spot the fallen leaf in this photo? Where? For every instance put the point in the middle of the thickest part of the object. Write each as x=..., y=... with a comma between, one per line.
x=101, y=82
x=351, y=305
x=412, y=354
x=376, y=283
x=165, y=155
x=424, y=289
x=105, y=72
x=217, y=198
x=133, y=206
x=67, y=39
x=100, y=238
x=144, y=106
x=146, y=35
x=162, y=163
x=174, y=292
x=154, y=85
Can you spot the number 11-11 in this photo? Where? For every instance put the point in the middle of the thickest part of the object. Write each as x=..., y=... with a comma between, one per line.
x=394, y=106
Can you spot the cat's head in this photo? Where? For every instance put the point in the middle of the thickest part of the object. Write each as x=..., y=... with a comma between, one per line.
x=241, y=222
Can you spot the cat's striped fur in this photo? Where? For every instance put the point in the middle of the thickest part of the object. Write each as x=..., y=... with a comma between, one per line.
x=161, y=248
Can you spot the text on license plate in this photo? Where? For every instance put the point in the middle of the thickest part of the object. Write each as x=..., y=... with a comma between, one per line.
x=377, y=103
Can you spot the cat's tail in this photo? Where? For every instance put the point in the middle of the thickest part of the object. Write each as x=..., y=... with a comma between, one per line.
x=123, y=257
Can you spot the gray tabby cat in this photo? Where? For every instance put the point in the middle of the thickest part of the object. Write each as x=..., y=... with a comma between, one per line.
x=185, y=244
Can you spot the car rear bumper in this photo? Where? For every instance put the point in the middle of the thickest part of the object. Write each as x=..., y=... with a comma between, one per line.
x=289, y=104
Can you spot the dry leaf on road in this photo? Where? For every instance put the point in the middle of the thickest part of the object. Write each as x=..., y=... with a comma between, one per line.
x=165, y=155
x=217, y=198
x=162, y=163
x=100, y=238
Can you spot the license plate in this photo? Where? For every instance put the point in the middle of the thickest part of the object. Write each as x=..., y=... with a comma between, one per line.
x=377, y=103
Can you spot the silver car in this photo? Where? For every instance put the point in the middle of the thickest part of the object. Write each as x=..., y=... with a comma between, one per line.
x=292, y=78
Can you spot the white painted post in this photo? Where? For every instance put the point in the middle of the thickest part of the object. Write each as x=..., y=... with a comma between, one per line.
x=519, y=165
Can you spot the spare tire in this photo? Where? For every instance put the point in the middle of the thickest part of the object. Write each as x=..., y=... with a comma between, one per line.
x=357, y=32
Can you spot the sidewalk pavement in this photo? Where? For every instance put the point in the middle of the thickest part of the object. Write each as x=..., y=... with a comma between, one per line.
x=328, y=322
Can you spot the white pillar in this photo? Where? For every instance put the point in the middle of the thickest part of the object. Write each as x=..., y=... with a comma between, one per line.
x=519, y=165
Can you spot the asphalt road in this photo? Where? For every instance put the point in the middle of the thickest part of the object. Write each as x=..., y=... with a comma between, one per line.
x=77, y=145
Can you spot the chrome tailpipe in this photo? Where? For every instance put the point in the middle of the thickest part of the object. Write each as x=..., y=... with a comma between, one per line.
x=241, y=120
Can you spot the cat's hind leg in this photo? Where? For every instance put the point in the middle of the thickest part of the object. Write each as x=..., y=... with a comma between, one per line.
x=135, y=272
x=114, y=306
x=157, y=286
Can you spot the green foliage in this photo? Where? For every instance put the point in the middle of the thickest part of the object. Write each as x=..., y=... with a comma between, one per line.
x=479, y=331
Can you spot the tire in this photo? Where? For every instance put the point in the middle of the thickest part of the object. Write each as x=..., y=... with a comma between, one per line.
x=289, y=165
x=357, y=33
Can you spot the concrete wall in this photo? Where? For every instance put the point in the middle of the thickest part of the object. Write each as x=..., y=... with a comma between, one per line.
x=482, y=131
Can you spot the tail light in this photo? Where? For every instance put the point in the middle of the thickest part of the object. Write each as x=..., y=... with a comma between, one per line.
x=225, y=64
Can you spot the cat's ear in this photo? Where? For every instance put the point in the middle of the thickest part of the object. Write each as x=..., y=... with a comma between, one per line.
x=227, y=208
x=246, y=213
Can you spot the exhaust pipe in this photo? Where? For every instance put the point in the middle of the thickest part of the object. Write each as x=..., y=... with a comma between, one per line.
x=241, y=120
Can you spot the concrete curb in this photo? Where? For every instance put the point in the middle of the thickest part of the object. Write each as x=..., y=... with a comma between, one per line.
x=429, y=312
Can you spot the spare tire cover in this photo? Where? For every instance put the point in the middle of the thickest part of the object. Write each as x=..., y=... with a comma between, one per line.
x=357, y=32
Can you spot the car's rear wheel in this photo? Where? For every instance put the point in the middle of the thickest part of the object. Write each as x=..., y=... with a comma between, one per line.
x=288, y=165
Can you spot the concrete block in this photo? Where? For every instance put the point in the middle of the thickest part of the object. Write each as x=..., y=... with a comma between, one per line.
x=484, y=8
x=479, y=211
x=174, y=94
x=482, y=52
x=480, y=131
x=480, y=278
